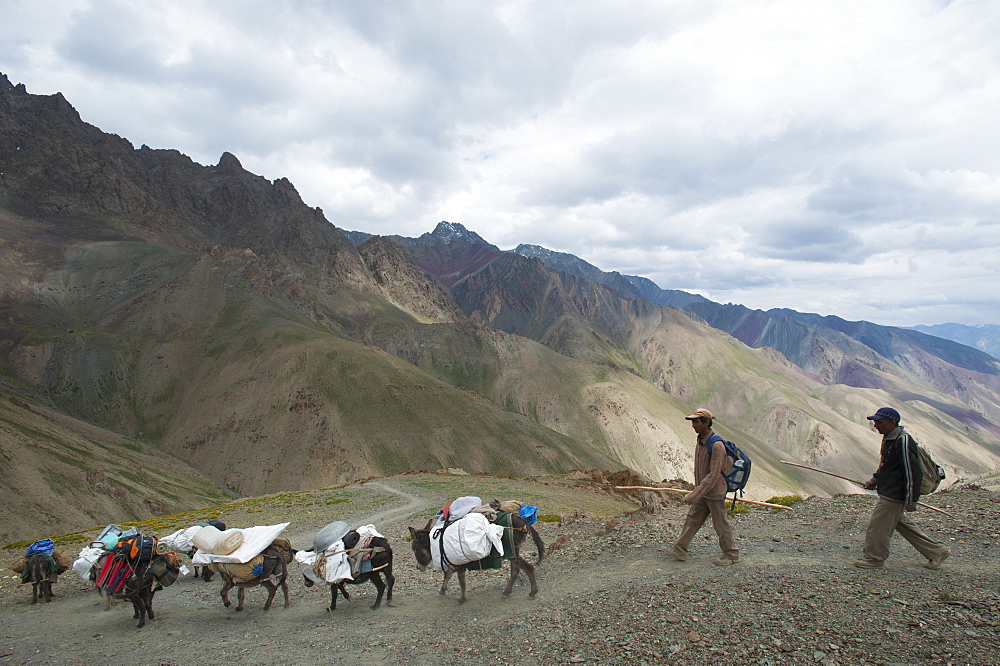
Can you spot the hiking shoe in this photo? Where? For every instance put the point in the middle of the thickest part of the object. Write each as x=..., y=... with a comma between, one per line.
x=725, y=562
x=675, y=551
x=869, y=564
x=935, y=562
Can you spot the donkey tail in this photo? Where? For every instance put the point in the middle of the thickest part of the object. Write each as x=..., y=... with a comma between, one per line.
x=539, y=545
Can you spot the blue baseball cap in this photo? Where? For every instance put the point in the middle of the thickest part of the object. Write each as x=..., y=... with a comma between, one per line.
x=885, y=413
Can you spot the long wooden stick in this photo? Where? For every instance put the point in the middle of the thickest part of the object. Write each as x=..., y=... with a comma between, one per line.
x=860, y=483
x=679, y=490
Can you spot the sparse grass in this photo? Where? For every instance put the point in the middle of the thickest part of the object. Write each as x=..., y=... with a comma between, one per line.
x=735, y=509
x=784, y=500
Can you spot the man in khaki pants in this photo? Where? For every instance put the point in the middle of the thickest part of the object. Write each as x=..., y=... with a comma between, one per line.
x=898, y=482
x=709, y=495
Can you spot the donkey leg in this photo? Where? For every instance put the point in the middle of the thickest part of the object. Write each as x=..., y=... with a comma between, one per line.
x=139, y=608
x=240, y=598
x=284, y=589
x=376, y=580
x=333, y=596
x=47, y=589
x=444, y=584
x=149, y=604
x=226, y=585
x=271, y=590
x=34, y=592
x=391, y=581
x=529, y=569
x=514, y=570
x=461, y=583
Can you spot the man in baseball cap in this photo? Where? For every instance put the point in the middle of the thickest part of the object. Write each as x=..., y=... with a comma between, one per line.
x=885, y=413
x=709, y=496
x=897, y=481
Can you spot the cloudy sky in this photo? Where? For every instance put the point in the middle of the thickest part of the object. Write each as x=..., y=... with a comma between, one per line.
x=835, y=157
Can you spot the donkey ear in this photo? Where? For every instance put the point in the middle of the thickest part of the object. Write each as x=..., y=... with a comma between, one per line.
x=413, y=532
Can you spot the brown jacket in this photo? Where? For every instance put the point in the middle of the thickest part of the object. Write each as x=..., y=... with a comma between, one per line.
x=708, y=471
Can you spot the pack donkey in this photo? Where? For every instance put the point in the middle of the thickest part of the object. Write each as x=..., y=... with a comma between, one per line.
x=273, y=575
x=519, y=527
x=381, y=561
x=145, y=580
x=41, y=571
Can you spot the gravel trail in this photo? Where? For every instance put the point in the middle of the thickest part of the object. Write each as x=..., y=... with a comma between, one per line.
x=609, y=594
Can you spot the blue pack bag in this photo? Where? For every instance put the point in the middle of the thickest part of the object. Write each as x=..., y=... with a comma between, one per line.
x=529, y=513
x=738, y=472
x=42, y=546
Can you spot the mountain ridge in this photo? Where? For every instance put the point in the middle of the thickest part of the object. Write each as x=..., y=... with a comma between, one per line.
x=211, y=313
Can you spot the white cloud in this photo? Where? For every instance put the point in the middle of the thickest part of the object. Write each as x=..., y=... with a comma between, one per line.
x=780, y=154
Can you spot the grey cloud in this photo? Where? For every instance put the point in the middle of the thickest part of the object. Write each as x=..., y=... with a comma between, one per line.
x=818, y=240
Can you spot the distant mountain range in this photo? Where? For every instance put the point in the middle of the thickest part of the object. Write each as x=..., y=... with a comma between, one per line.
x=800, y=337
x=985, y=337
x=213, y=322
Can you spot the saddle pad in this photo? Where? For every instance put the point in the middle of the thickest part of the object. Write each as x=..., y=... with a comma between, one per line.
x=114, y=574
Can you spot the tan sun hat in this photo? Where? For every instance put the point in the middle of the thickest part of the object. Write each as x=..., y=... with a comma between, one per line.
x=700, y=413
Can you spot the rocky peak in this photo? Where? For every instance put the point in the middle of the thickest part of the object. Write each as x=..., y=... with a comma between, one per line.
x=447, y=233
x=229, y=163
x=536, y=251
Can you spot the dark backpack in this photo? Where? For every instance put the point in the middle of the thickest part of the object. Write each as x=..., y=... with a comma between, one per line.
x=137, y=548
x=931, y=473
x=738, y=472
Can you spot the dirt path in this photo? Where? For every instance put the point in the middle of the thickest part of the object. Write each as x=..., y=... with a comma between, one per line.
x=609, y=594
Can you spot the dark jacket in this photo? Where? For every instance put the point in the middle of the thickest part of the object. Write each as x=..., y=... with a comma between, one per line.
x=898, y=476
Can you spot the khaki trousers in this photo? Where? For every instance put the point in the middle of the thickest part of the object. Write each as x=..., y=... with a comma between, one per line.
x=696, y=517
x=888, y=516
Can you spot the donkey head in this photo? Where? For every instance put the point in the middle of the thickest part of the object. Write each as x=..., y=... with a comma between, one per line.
x=421, y=543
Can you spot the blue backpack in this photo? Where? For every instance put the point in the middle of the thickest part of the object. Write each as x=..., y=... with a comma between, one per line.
x=739, y=467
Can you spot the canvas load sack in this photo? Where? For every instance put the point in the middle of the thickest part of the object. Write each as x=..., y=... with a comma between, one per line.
x=88, y=556
x=244, y=572
x=62, y=560
x=181, y=539
x=463, y=541
x=283, y=546
x=932, y=473
x=165, y=569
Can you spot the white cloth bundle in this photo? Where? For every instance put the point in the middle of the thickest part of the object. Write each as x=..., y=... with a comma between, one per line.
x=335, y=566
x=215, y=542
x=206, y=538
x=366, y=531
x=466, y=540
x=180, y=540
x=307, y=560
x=86, y=561
x=228, y=542
x=255, y=540
x=462, y=506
